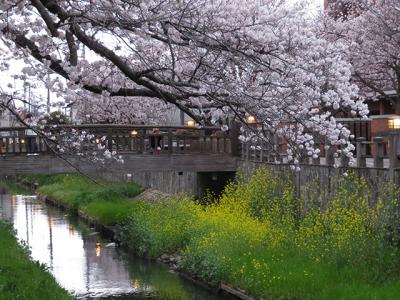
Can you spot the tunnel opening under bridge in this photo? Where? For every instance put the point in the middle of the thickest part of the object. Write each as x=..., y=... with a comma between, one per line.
x=213, y=182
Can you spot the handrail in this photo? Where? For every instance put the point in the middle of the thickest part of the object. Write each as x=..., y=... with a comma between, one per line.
x=378, y=153
x=111, y=126
x=124, y=139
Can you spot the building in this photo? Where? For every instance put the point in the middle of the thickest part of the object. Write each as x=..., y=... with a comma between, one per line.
x=7, y=119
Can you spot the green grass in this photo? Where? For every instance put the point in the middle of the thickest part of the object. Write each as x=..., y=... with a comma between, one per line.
x=22, y=278
x=108, y=202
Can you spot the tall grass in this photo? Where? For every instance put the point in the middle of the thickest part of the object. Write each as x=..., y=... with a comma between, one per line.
x=21, y=278
x=254, y=238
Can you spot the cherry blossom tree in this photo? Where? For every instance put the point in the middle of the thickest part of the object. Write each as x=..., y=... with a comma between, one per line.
x=104, y=109
x=208, y=58
x=372, y=35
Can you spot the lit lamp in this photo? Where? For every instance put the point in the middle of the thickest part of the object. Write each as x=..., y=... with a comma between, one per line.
x=191, y=123
x=134, y=132
x=394, y=123
x=98, y=249
x=251, y=120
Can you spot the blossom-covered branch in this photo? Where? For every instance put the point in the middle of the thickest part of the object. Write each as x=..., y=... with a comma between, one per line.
x=208, y=58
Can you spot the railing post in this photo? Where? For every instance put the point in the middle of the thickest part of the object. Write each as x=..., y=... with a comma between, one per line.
x=344, y=160
x=109, y=140
x=394, y=152
x=14, y=146
x=361, y=152
x=141, y=141
x=378, y=159
x=234, y=136
x=275, y=148
x=304, y=159
x=298, y=185
x=317, y=161
x=170, y=141
x=261, y=151
x=330, y=160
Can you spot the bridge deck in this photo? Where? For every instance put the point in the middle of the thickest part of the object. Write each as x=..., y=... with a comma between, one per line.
x=49, y=164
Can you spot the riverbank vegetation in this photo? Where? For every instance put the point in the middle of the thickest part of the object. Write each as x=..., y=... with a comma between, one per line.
x=108, y=202
x=20, y=277
x=259, y=238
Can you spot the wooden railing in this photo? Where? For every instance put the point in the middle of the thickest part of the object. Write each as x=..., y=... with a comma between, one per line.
x=376, y=145
x=158, y=140
x=358, y=128
x=378, y=153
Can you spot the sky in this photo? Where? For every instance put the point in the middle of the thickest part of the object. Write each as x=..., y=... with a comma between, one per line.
x=8, y=84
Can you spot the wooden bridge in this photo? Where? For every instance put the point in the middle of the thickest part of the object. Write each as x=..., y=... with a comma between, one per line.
x=124, y=139
x=195, y=145
x=179, y=158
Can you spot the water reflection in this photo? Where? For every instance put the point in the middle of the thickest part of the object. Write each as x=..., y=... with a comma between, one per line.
x=85, y=264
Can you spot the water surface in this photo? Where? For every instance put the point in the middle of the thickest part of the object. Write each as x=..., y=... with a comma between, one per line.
x=86, y=264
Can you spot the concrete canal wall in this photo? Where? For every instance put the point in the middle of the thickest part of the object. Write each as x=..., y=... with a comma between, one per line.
x=321, y=181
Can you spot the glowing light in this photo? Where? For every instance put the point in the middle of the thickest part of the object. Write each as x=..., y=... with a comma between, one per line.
x=394, y=123
x=191, y=123
x=97, y=141
x=251, y=119
x=98, y=249
x=134, y=132
x=22, y=141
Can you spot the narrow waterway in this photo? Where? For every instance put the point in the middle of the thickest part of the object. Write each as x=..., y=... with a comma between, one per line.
x=84, y=263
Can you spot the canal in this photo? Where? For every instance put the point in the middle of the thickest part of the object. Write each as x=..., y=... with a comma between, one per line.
x=84, y=263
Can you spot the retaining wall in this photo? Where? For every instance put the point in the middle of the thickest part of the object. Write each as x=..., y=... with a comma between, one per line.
x=321, y=182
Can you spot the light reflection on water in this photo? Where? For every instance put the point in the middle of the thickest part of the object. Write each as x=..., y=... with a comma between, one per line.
x=86, y=265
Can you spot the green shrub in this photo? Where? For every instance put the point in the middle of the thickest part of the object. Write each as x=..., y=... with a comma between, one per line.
x=254, y=237
x=163, y=227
